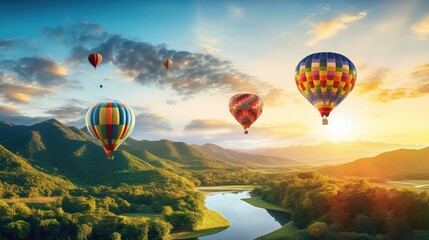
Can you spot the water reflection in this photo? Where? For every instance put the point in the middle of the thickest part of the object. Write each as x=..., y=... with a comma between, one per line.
x=247, y=222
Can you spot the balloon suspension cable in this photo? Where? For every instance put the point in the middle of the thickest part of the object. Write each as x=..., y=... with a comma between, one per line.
x=325, y=120
x=246, y=132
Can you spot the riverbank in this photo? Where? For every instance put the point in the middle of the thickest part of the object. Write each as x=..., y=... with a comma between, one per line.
x=227, y=188
x=260, y=203
x=287, y=230
x=212, y=223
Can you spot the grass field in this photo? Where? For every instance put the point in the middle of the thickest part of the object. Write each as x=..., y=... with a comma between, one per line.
x=260, y=203
x=288, y=230
x=212, y=223
x=228, y=188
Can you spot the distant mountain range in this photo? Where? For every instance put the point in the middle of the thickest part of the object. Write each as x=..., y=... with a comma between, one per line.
x=330, y=152
x=400, y=164
x=53, y=156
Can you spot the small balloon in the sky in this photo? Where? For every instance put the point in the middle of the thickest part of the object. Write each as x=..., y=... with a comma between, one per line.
x=246, y=108
x=95, y=59
x=167, y=63
x=325, y=79
x=101, y=86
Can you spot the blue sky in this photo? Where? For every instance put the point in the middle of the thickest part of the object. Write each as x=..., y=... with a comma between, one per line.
x=222, y=48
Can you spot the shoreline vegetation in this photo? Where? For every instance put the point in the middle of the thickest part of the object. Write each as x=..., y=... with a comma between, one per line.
x=213, y=222
x=225, y=188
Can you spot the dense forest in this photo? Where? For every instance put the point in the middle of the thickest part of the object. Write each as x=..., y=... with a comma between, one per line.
x=328, y=208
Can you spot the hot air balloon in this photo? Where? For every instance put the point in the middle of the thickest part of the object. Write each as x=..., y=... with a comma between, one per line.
x=246, y=108
x=167, y=63
x=101, y=86
x=325, y=79
x=110, y=123
x=95, y=59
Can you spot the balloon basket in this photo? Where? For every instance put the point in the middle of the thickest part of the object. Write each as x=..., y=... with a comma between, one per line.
x=325, y=121
x=110, y=157
x=246, y=132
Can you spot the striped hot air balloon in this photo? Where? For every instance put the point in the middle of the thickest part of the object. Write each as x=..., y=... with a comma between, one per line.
x=246, y=108
x=95, y=59
x=325, y=79
x=110, y=123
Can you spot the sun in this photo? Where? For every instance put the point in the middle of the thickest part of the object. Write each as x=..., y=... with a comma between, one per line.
x=340, y=128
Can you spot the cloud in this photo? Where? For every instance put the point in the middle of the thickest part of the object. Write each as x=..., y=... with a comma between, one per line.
x=236, y=11
x=20, y=93
x=417, y=86
x=67, y=112
x=329, y=28
x=12, y=115
x=208, y=124
x=191, y=73
x=36, y=70
x=421, y=29
x=208, y=45
x=12, y=42
x=79, y=34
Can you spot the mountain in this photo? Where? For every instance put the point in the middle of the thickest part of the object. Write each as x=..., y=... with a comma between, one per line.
x=402, y=163
x=72, y=154
x=189, y=157
x=240, y=158
x=18, y=177
x=330, y=152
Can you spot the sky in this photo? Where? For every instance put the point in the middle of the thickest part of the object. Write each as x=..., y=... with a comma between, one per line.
x=219, y=48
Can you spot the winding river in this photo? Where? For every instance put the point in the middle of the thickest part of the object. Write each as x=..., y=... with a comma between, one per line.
x=247, y=222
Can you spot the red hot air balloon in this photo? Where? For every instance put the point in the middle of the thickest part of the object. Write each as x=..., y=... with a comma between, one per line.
x=246, y=108
x=167, y=63
x=95, y=59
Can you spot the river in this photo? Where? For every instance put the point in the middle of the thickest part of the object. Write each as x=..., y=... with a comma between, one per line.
x=247, y=222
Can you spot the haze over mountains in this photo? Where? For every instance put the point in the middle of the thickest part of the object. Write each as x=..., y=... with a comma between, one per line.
x=330, y=152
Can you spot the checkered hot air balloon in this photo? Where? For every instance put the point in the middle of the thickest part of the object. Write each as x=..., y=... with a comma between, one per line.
x=95, y=59
x=246, y=108
x=325, y=79
x=110, y=123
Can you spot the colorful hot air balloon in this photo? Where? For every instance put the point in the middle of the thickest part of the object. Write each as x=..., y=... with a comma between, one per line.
x=110, y=123
x=95, y=59
x=167, y=63
x=325, y=79
x=246, y=108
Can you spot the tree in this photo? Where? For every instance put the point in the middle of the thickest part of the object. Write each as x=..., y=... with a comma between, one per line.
x=167, y=210
x=18, y=230
x=317, y=229
x=159, y=230
x=83, y=231
x=115, y=236
x=50, y=228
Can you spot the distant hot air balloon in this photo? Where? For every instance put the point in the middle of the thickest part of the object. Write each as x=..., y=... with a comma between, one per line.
x=246, y=108
x=167, y=63
x=110, y=123
x=101, y=86
x=325, y=79
x=95, y=59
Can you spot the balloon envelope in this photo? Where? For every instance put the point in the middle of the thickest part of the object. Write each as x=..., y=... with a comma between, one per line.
x=95, y=59
x=110, y=123
x=325, y=79
x=167, y=63
x=246, y=108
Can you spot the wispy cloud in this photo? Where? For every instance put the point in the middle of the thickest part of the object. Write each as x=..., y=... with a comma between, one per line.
x=15, y=92
x=375, y=86
x=421, y=29
x=326, y=29
x=208, y=124
x=236, y=11
x=208, y=45
x=11, y=114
